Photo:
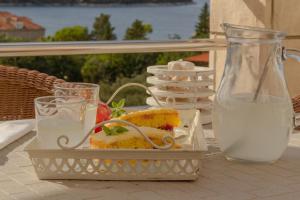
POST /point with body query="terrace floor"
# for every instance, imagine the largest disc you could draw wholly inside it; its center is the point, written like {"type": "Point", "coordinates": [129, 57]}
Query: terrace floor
{"type": "Point", "coordinates": [220, 179]}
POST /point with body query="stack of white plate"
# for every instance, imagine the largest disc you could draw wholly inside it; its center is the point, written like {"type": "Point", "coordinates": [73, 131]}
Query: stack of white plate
{"type": "Point", "coordinates": [182, 89]}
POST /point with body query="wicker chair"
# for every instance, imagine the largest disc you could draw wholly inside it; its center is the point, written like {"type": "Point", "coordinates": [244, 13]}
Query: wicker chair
{"type": "Point", "coordinates": [296, 103]}
{"type": "Point", "coordinates": [18, 88]}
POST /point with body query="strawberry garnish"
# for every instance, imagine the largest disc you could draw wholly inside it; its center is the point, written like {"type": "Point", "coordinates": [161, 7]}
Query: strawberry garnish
{"type": "Point", "coordinates": [167, 127]}
{"type": "Point", "coordinates": [103, 114]}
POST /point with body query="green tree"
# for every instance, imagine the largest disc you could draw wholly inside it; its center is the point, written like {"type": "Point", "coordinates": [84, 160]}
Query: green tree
{"type": "Point", "coordinates": [110, 67]}
{"type": "Point", "coordinates": [5, 38]}
{"type": "Point", "coordinates": [138, 31]}
{"type": "Point", "coordinates": [134, 95]}
{"type": "Point", "coordinates": [166, 57]}
{"type": "Point", "coordinates": [65, 67]}
{"type": "Point", "coordinates": [134, 64]}
{"type": "Point", "coordinates": [101, 68]}
{"type": "Point", "coordinates": [202, 27]}
{"type": "Point", "coordinates": [102, 28]}
{"type": "Point", "coordinates": [74, 33]}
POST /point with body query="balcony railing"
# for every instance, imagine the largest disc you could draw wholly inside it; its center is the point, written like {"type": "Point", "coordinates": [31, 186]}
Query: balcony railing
{"type": "Point", "coordinates": [100, 47]}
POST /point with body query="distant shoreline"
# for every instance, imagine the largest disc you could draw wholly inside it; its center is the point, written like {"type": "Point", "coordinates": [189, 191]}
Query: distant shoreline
{"type": "Point", "coordinates": [104, 3]}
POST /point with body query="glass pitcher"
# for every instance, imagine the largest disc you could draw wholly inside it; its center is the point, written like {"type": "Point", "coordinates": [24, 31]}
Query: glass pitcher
{"type": "Point", "coordinates": [252, 112]}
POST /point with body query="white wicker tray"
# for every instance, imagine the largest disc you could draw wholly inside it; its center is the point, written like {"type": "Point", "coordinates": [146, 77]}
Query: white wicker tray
{"type": "Point", "coordinates": [113, 164]}
{"type": "Point", "coordinates": [162, 163]}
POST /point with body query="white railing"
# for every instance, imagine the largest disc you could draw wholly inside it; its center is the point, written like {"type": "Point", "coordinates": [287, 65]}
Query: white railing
{"type": "Point", "coordinates": [104, 47]}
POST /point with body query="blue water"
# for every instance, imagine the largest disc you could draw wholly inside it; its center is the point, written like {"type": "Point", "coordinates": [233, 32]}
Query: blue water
{"type": "Point", "coordinates": [165, 19]}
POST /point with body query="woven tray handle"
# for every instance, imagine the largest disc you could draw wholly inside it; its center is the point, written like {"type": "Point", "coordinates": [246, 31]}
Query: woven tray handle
{"type": "Point", "coordinates": [130, 85]}
{"type": "Point", "coordinates": [168, 140]}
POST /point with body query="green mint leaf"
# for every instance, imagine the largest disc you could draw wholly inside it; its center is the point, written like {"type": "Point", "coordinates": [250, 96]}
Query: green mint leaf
{"type": "Point", "coordinates": [121, 129]}
{"type": "Point", "coordinates": [121, 103]}
{"type": "Point", "coordinates": [114, 114]}
{"type": "Point", "coordinates": [121, 112]}
{"type": "Point", "coordinates": [114, 104]}
{"type": "Point", "coordinates": [117, 130]}
{"type": "Point", "coordinates": [117, 109]}
{"type": "Point", "coordinates": [118, 113]}
{"type": "Point", "coordinates": [106, 130]}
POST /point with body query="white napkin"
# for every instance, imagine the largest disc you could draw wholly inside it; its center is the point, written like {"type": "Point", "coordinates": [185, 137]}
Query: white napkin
{"type": "Point", "coordinates": [13, 130]}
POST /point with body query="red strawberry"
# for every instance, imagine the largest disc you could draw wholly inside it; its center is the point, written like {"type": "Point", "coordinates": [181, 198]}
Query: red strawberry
{"type": "Point", "coordinates": [167, 127]}
{"type": "Point", "coordinates": [103, 114]}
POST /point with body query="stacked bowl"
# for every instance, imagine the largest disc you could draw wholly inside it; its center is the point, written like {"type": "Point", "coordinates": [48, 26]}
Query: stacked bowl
{"type": "Point", "coordinates": [183, 86]}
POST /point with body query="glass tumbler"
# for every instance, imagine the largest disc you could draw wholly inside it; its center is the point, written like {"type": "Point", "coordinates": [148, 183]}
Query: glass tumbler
{"type": "Point", "coordinates": [88, 91]}
{"type": "Point", "coordinates": [59, 115]}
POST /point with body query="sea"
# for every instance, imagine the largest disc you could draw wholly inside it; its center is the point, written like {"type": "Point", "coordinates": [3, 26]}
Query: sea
{"type": "Point", "coordinates": [166, 19]}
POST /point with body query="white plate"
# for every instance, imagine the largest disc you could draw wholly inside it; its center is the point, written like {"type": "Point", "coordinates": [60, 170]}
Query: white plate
{"type": "Point", "coordinates": [157, 81]}
{"type": "Point", "coordinates": [163, 69]}
{"type": "Point", "coordinates": [203, 104]}
{"type": "Point", "coordinates": [202, 92]}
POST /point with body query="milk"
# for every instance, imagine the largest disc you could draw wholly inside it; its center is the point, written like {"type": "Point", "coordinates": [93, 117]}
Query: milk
{"type": "Point", "coordinates": [51, 128]}
{"type": "Point", "coordinates": [90, 121]}
{"type": "Point", "coordinates": [254, 131]}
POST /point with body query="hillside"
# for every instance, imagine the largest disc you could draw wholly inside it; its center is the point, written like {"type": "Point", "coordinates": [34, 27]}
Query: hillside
{"type": "Point", "coordinates": [86, 2]}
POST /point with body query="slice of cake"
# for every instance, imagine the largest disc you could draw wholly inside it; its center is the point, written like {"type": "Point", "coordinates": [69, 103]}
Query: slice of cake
{"type": "Point", "coordinates": [161, 118]}
{"type": "Point", "coordinates": [129, 139]}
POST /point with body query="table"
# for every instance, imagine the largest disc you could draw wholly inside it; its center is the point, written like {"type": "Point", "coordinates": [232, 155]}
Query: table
{"type": "Point", "coordinates": [220, 180]}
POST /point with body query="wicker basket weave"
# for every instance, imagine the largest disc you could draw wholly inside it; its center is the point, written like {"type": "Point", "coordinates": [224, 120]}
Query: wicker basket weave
{"type": "Point", "coordinates": [18, 88]}
{"type": "Point", "coordinates": [296, 103]}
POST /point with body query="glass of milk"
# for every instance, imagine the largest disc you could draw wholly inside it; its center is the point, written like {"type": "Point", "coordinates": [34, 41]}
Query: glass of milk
{"type": "Point", "coordinates": [57, 116]}
{"type": "Point", "coordinates": [252, 110]}
{"type": "Point", "coordinates": [88, 91]}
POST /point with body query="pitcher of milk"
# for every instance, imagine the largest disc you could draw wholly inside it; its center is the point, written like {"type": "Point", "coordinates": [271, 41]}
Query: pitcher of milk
{"type": "Point", "coordinates": [253, 114]}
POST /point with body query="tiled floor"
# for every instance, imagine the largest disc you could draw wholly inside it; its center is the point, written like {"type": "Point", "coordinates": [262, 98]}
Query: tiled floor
{"type": "Point", "coordinates": [219, 180]}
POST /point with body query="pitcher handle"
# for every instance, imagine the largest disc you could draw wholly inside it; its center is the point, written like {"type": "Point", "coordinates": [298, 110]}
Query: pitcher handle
{"type": "Point", "coordinates": [292, 53]}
